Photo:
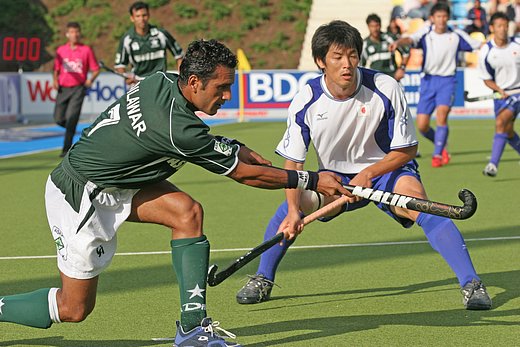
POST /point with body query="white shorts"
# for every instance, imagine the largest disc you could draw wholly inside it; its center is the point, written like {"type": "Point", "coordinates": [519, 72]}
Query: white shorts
{"type": "Point", "coordinates": [86, 252]}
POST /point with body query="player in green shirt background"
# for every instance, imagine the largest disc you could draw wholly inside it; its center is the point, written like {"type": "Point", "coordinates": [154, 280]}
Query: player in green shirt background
{"type": "Point", "coordinates": [376, 55]}
{"type": "Point", "coordinates": [118, 172]}
{"type": "Point", "coordinates": [144, 46]}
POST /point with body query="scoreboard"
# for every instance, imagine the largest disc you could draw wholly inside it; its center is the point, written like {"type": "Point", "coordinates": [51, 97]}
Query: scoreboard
{"type": "Point", "coordinates": [20, 49]}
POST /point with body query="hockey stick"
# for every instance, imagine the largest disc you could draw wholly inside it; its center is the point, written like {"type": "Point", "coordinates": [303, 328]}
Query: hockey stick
{"type": "Point", "coordinates": [495, 95]}
{"type": "Point", "coordinates": [123, 74]}
{"type": "Point", "coordinates": [427, 206]}
{"type": "Point", "coordinates": [215, 278]}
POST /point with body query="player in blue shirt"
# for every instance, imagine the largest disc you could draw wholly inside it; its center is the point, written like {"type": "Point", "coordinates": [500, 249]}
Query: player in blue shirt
{"type": "Point", "coordinates": [360, 125]}
{"type": "Point", "coordinates": [499, 60]}
{"type": "Point", "coordinates": [441, 45]}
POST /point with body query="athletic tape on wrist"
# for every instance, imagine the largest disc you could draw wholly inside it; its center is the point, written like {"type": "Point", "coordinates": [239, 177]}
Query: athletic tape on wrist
{"type": "Point", "coordinates": [312, 184]}
{"type": "Point", "coordinates": [302, 179]}
{"type": "Point", "coordinates": [292, 179]}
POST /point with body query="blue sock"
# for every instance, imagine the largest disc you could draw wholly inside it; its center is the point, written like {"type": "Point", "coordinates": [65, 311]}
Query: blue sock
{"type": "Point", "coordinates": [499, 142]}
{"type": "Point", "coordinates": [445, 238]}
{"type": "Point", "coordinates": [441, 137]}
{"type": "Point", "coordinates": [271, 258]}
{"type": "Point", "coordinates": [430, 134]}
{"type": "Point", "coordinates": [515, 142]}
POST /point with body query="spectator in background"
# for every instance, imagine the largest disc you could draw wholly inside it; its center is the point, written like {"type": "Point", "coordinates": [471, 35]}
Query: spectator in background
{"type": "Point", "coordinates": [513, 13]}
{"type": "Point", "coordinates": [478, 16]}
{"type": "Point", "coordinates": [418, 8]}
{"type": "Point", "coordinates": [71, 66]}
{"type": "Point", "coordinates": [144, 46]}
{"type": "Point", "coordinates": [376, 55]}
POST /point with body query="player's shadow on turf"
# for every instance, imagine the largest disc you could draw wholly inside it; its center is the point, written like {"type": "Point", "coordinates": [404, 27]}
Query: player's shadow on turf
{"type": "Point", "coordinates": [325, 327]}
{"type": "Point", "coordinates": [508, 281]}
{"type": "Point", "coordinates": [60, 341]}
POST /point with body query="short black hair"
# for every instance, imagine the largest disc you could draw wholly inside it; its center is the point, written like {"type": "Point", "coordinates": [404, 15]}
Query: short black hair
{"type": "Point", "coordinates": [338, 33]}
{"type": "Point", "coordinates": [138, 5]}
{"type": "Point", "coordinates": [498, 15]}
{"type": "Point", "coordinates": [440, 7]}
{"type": "Point", "coordinates": [373, 18]}
{"type": "Point", "coordinates": [74, 25]}
{"type": "Point", "coordinates": [202, 59]}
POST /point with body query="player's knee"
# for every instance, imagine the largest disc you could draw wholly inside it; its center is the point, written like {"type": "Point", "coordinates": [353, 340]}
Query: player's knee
{"type": "Point", "coordinates": [191, 216]}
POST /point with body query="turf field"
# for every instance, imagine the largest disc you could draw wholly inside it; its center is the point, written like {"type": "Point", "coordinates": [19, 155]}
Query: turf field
{"type": "Point", "coordinates": [359, 280]}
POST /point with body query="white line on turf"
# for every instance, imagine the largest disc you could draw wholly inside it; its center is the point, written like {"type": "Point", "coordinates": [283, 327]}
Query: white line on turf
{"type": "Point", "coordinates": [372, 244]}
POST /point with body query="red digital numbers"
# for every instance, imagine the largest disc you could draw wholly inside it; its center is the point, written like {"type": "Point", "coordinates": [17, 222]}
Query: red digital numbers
{"type": "Point", "coordinates": [21, 48]}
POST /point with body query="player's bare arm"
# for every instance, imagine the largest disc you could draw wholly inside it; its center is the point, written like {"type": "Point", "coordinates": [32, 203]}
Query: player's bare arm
{"type": "Point", "coordinates": [292, 225]}
{"type": "Point", "coordinates": [494, 86]}
{"type": "Point", "coordinates": [403, 41]}
{"type": "Point", "coordinates": [248, 156]}
{"type": "Point", "coordinates": [390, 162]}
{"type": "Point", "coordinates": [274, 178]}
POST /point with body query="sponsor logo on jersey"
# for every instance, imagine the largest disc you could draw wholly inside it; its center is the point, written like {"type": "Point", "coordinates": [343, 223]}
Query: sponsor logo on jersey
{"type": "Point", "coordinates": [321, 116]}
{"type": "Point", "coordinates": [223, 148]}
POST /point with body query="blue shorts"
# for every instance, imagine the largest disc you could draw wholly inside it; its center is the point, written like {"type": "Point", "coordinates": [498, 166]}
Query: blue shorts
{"type": "Point", "coordinates": [435, 91]}
{"type": "Point", "coordinates": [511, 103]}
{"type": "Point", "coordinates": [386, 183]}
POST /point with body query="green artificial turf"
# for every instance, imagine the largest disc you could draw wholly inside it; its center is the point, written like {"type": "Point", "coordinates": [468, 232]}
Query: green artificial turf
{"type": "Point", "coordinates": [357, 289]}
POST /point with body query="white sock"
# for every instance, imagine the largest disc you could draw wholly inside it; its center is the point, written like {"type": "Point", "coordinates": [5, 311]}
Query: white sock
{"type": "Point", "coordinates": [53, 305]}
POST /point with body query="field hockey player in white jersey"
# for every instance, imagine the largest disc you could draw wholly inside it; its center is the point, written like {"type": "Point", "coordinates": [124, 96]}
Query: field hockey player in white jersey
{"type": "Point", "coordinates": [499, 65]}
{"type": "Point", "coordinates": [361, 128]}
{"type": "Point", "coordinates": [441, 45]}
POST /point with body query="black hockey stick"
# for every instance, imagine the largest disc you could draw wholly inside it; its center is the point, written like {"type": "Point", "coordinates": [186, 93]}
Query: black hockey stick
{"type": "Point", "coordinates": [427, 206]}
{"type": "Point", "coordinates": [215, 278]}
{"type": "Point", "coordinates": [393, 199]}
{"type": "Point", "coordinates": [495, 95]}
{"type": "Point", "coordinates": [123, 74]}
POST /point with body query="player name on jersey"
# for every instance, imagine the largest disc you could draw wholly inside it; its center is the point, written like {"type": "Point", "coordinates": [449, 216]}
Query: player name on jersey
{"type": "Point", "coordinates": [133, 109]}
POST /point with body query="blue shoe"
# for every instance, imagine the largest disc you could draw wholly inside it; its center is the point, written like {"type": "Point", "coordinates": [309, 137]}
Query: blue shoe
{"type": "Point", "coordinates": [203, 336]}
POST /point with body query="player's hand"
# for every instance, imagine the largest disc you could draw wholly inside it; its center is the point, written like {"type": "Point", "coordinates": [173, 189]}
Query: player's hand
{"type": "Point", "coordinates": [362, 180]}
{"type": "Point", "coordinates": [55, 85]}
{"type": "Point", "coordinates": [393, 46]}
{"type": "Point", "coordinates": [399, 74]}
{"type": "Point", "coordinates": [88, 84]}
{"type": "Point", "coordinates": [291, 226]}
{"type": "Point", "coordinates": [330, 184]}
{"type": "Point", "coordinates": [248, 156]}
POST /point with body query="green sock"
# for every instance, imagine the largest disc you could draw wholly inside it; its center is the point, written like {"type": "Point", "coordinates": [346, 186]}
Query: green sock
{"type": "Point", "coordinates": [31, 309]}
{"type": "Point", "coordinates": [190, 259]}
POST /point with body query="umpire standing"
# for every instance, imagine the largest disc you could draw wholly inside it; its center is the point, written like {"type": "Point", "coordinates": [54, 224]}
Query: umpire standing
{"type": "Point", "coordinates": [71, 66]}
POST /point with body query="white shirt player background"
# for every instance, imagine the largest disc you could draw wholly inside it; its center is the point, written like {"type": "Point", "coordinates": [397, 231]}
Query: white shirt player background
{"type": "Point", "coordinates": [351, 134]}
{"type": "Point", "coordinates": [440, 50]}
{"type": "Point", "coordinates": [501, 64]}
